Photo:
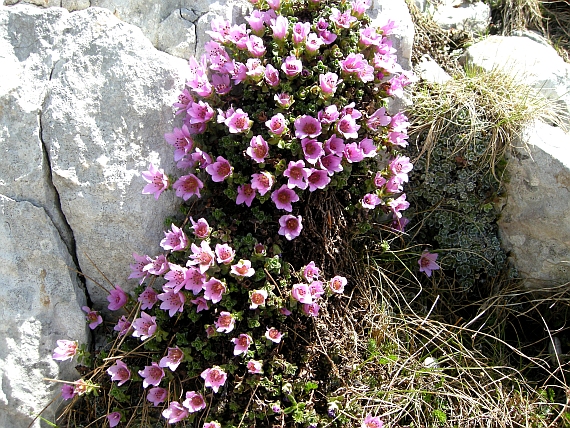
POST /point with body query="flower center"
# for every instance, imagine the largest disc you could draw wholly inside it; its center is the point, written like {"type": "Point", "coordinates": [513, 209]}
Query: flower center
{"type": "Point", "coordinates": [292, 224]}
{"type": "Point", "coordinates": [224, 168]}
{"type": "Point", "coordinates": [257, 298]}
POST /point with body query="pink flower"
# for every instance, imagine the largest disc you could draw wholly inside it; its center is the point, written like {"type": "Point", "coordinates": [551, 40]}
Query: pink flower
{"type": "Point", "coordinates": [291, 226]}
{"type": "Point", "coordinates": [173, 359]}
{"type": "Point", "coordinates": [284, 197]}
{"type": "Point", "coordinates": [137, 269]}
{"type": "Point", "coordinates": [379, 181]}
{"type": "Point", "coordinates": [238, 122]}
{"type": "Point", "coordinates": [427, 263]}
{"type": "Point", "coordinates": [148, 298]}
{"type": "Point", "coordinates": [297, 174]}
{"type": "Point", "coordinates": [214, 424]}
{"type": "Point", "coordinates": [327, 37]}
{"type": "Point", "coordinates": [334, 145]}
{"type": "Point", "coordinates": [262, 182]}
{"type": "Point", "coordinates": [342, 20]}
{"type": "Point", "coordinates": [175, 239]}
{"type": "Point", "coordinates": [301, 293]}
{"type": "Point", "coordinates": [66, 350]}
{"type": "Point", "coordinates": [255, 70]}
{"type": "Point", "coordinates": [175, 412]}
{"type": "Point", "coordinates": [157, 395]}
{"type": "Point", "coordinates": [214, 377]}
{"type": "Point", "coordinates": [255, 21]}
{"type": "Point", "coordinates": [400, 166]}
{"type": "Point", "coordinates": [370, 201]}
{"type": "Point", "coordinates": [188, 186]}
{"type": "Point", "coordinates": [255, 46]}
{"type": "Point", "coordinates": [67, 391]}
{"type": "Point", "coordinates": [201, 228]}
{"type": "Point", "coordinates": [119, 371]}
{"type": "Point", "coordinates": [258, 149]}
{"type": "Point", "coordinates": [347, 127]}
{"type": "Point", "coordinates": [258, 298]}
{"type": "Point", "coordinates": [157, 266]}
{"type": "Point", "coordinates": [316, 289]}
{"type": "Point", "coordinates": [379, 118]}
{"type": "Point", "coordinates": [176, 277]}
{"type": "Point", "coordinates": [311, 309]}
{"type": "Point", "coordinates": [399, 224]}
{"type": "Point", "coordinates": [353, 153]}
{"type": "Point", "coordinates": [311, 272]}
{"type": "Point", "coordinates": [328, 82]}
{"type": "Point", "coordinates": [224, 253]}
{"type": "Point", "coordinates": [173, 301]}
{"type": "Point", "coordinates": [273, 334]}
{"type": "Point", "coordinates": [181, 140]}
{"type": "Point", "coordinates": [292, 66]}
{"type": "Point", "coordinates": [283, 100]}
{"type": "Point", "coordinates": [220, 29]}
{"type": "Point", "coordinates": [184, 99]}
{"type": "Point", "coordinates": [318, 179]}
{"type": "Point", "coordinates": [359, 7]}
{"type": "Point", "coordinates": [372, 422]}
{"type": "Point", "coordinates": [243, 268]}
{"type": "Point", "coordinates": [145, 326]}
{"type": "Point", "coordinates": [245, 194]}
{"type": "Point", "coordinates": [221, 83]}
{"type": "Point", "coordinates": [312, 150]}
{"type": "Point", "coordinates": [152, 375]}
{"type": "Point", "coordinates": [329, 115]}
{"type": "Point", "coordinates": [280, 27]}
{"type": "Point", "coordinates": [332, 163]}
{"type": "Point", "coordinates": [368, 148]}
{"type": "Point", "coordinates": [241, 343]}
{"type": "Point", "coordinates": [274, 4]}
{"type": "Point", "coordinates": [202, 304]}
{"type": "Point", "coordinates": [194, 402]}
{"type": "Point", "coordinates": [202, 158]}
{"type": "Point", "coordinates": [351, 111]}
{"type": "Point", "coordinates": [122, 326]}
{"type": "Point", "coordinates": [277, 124]}
{"type": "Point", "coordinates": [271, 75]}
{"type": "Point", "coordinates": [114, 419]}
{"type": "Point", "coordinates": [313, 43]}
{"type": "Point", "coordinates": [399, 122]}
{"type": "Point", "coordinates": [157, 181]}
{"type": "Point", "coordinates": [337, 284]}
{"type": "Point", "coordinates": [254, 367]}
{"type": "Point", "coordinates": [300, 31]}
{"type": "Point", "coordinates": [219, 170]}
{"type": "Point", "coordinates": [214, 290]}
{"type": "Point", "coordinates": [399, 204]}
{"type": "Point", "coordinates": [200, 112]}
{"type": "Point", "coordinates": [225, 322]}
{"type": "Point", "coordinates": [92, 317]}
{"type": "Point", "coordinates": [307, 126]}
{"type": "Point", "coordinates": [202, 256]}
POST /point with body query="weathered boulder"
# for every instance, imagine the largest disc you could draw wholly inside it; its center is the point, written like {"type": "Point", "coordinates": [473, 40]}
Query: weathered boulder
{"type": "Point", "coordinates": [534, 224]}
{"type": "Point", "coordinates": [40, 303]}
{"type": "Point", "coordinates": [527, 61]}
{"type": "Point", "coordinates": [471, 16]}
{"type": "Point", "coordinates": [84, 103]}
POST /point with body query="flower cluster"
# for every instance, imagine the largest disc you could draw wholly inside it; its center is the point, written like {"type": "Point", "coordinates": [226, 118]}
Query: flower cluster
{"type": "Point", "coordinates": [296, 131]}
{"type": "Point", "coordinates": [289, 104]}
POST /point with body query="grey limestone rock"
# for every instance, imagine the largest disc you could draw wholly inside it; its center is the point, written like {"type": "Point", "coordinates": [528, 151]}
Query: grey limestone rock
{"type": "Point", "coordinates": [534, 224]}
{"type": "Point", "coordinates": [40, 303]}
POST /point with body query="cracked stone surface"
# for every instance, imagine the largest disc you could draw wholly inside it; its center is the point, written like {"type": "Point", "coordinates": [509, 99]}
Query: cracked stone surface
{"type": "Point", "coordinates": [85, 100]}
{"type": "Point", "coordinates": [40, 303]}
{"type": "Point", "coordinates": [534, 223]}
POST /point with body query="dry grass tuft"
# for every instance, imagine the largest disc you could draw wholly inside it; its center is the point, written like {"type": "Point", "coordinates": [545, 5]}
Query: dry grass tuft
{"type": "Point", "coordinates": [475, 105]}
